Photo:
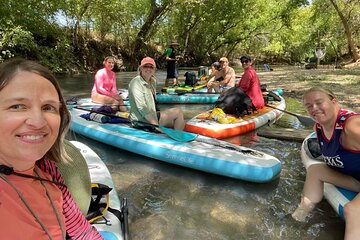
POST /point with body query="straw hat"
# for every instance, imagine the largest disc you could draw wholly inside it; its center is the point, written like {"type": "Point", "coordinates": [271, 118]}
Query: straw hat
{"type": "Point", "coordinates": [77, 177]}
{"type": "Point", "coordinates": [174, 43]}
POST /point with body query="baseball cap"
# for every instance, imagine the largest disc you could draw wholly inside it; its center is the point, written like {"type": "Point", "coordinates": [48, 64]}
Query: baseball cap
{"type": "Point", "coordinates": [245, 57]}
{"type": "Point", "coordinates": [223, 59]}
{"type": "Point", "coordinates": [147, 60]}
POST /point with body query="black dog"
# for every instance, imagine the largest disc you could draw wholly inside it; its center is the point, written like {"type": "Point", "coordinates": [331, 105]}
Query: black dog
{"type": "Point", "coordinates": [234, 101]}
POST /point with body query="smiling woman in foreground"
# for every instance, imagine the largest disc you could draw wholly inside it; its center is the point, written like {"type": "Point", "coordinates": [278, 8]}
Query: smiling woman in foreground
{"type": "Point", "coordinates": [338, 134]}
{"type": "Point", "coordinates": [33, 123]}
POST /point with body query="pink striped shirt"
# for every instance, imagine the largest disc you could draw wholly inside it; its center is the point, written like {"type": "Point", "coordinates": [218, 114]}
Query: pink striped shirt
{"type": "Point", "coordinates": [77, 227]}
{"type": "Point", "coordinates": [17, 222]}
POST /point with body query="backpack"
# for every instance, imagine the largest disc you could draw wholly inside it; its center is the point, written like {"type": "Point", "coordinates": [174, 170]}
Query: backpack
{"type": "Point", "coordinates": [234, 101]}
{"type": "Point", "coordinates": [190, 79]}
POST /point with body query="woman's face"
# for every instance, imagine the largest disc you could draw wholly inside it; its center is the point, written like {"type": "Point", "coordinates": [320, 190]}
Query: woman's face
{"type": "Point", "coordinates": [29, 119]}
{"type": "Point", "coordinates": [109, 64]}
{"type": "Point", "coordinates": [147, 71]}
{"type": "Point", "coordinates": [320, 107]}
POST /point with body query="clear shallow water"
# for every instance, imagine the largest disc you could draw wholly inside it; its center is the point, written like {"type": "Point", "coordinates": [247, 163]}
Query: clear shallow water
{"type": "Point", "coordinates": [171, 202]}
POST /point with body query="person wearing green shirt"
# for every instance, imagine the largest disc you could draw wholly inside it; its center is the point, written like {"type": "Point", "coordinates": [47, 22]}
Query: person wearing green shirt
{"type": "Point", "coordinates": [172, 72]}
{"type": "Point", "coordinates": [142, 98]}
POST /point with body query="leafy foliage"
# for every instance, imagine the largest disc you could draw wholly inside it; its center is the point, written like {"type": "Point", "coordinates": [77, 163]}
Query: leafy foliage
{"type": "Point", "coordinates": [74, 35]}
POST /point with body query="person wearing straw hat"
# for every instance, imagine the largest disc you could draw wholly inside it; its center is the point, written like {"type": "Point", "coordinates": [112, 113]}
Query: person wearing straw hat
{"type": "Point", "coordinates": [142, 98]}
{"type": "Point", "coordinates": [172, 74]}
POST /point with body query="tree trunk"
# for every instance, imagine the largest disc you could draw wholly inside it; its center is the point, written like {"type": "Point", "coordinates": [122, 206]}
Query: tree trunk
{"type": "Point", "coordinates": [348, 33]}
{"type": "Point", "coordinates": [138, 49]}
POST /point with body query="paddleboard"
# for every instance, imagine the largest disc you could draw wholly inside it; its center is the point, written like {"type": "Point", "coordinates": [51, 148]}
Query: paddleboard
{"type": "Point", "coordinates": [110, 226]}
{"type": "Point", "coordinates": [204, 154]}
{"type": "Point", "coordinates": [206, 125]}
{"type": "Point", "coordinates": [178, 89]}
{"type": "Point", "coordinates": [186, 98]}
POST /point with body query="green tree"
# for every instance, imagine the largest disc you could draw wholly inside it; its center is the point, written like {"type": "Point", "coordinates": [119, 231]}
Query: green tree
{"type": "Point", "coordinates": [347, 11]}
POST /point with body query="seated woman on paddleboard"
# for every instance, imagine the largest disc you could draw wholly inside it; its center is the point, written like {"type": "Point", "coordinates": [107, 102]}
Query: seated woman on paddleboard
{"type": "Point", "coordinates": [34, 201]}
{"type": "Point", "coordinates": [338, 134]}
{"type": "Point", "coordinates": [105, 89]}
{"type": "Point", "coordinates": [142, 98]}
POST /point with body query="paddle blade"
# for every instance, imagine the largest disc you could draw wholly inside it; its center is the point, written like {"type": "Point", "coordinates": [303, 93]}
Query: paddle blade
{"type": "Point", "coordinates": [306, 121]}
{"type": "Point", "coordinates": [178, 135]}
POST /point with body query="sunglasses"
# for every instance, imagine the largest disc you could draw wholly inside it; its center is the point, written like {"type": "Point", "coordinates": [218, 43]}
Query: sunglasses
{"type": "Point", "coordinates": [244, 61]}
{"type": "Point", "coordinates": [149, 66]}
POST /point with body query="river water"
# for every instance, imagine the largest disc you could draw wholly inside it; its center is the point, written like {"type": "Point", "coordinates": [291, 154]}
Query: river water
{"type": "Point", "coordinates": [174, 203]}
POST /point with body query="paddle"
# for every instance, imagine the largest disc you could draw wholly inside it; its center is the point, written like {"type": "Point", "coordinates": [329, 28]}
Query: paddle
{"type": "Point", "coordinates": [124, 220]}
{"type": "Point", "coordinates": [177, 135]}
{"type": "Point", "coordinates": [185, 92]}
{"type": "Point", "coordinates": [306, 121]}
{"type": "Point", "coordinates": [95, 105]}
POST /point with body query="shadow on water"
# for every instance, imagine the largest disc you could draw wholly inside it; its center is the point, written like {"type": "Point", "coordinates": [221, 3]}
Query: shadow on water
{"type": "Point", "coordinates": [172, 202]}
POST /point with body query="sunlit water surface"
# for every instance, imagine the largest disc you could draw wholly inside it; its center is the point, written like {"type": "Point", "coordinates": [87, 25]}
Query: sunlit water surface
{"type": "Point", "coordinates": [172, 202]}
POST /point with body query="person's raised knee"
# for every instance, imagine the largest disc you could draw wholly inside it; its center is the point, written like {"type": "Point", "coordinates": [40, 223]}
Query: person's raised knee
{"type": "Point", "coordinates": [351, 210]}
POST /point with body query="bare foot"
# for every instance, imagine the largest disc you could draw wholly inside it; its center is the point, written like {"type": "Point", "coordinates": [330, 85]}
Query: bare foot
{"type": "Point", "coordinates": [304, 209]}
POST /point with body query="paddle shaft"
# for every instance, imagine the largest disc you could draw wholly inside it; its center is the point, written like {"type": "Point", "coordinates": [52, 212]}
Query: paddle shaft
{"type": "Point", "coordinates": [99, 105]}
{"type": "Point", "coordinates": [304, 120]}
{"type": "Point", "coordinates": [187, 92]}
{"type": "Point", "coordinates": [124, 222]}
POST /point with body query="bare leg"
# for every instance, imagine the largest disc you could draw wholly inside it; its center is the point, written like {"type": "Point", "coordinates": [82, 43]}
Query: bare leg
{"type": "Point", "coordinates": [172, 80]}
{"type": "Point", "coordinates": [173, 118]}
{"type": "Point", "coordinates": [122, 108]}
{"type": "Point", "coordinates": [352, 215]}
{"type": "Point", "coordinates": [177, 82]}
{"type": "Point", "coordinates": [313, 191]}
{"type": "Point", "coordinates": [166, 82]}
{"type": "Point", "coordinates": [116, 103]}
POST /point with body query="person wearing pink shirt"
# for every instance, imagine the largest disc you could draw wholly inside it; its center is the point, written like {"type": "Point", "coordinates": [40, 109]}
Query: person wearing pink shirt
{"type": "Point", "coordinates": [105, 89]}
{"type": "Point", "coordinates": [250, 83]}
{"type": "Point", "coordinates": [34, 201]}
